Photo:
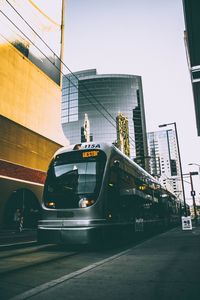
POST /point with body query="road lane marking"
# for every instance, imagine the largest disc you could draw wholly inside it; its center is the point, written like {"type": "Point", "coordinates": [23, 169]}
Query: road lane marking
{"type": "Point", "coordinates": [48, 285]}
{"type": "Point", "coordinates": [39, 289]}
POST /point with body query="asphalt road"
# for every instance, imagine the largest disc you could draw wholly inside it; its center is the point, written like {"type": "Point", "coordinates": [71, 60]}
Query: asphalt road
{"type": "Point", "coordinates": [165, 267]}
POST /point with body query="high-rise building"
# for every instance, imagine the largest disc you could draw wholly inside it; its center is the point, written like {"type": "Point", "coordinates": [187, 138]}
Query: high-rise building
{"type": "Point", "coordinates": [123, 134]}
{"type": "Point", "coordinates": [102, 97]}
{"type": "Point", "coordinates": [164, 162]}
{"type": "Point", "coordinates": [141, 156]}
{"type": "Point", "coordinates": [85, 130]}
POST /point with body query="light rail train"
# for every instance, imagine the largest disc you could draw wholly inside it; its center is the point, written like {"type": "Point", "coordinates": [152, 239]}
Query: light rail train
{"type": "Point", "coordinates": [94, 192]}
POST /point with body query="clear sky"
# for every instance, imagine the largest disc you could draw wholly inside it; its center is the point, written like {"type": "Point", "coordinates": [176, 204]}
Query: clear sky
{"type": "Point", "coordinates": [143, 38]}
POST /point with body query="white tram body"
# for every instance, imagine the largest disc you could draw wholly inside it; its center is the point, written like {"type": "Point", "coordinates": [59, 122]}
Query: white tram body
{"type": "Point", "coordinates": [94, 192]}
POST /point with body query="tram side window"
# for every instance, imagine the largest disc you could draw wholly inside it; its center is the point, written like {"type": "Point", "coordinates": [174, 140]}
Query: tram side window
{"type": "Point", "coordinates": [127, 185]}
{"type": "Point", "coordinates": [163, 208]}
{"type": "Point", "coordinates": [156, 209]}
{"type": "Point", "coordinates": [147, 210]}
{"type": "Point", "coordinates": [126, 181]}
{"type": "Point", "coordinates": [121, 182]}
{"type": "Point", "coordinates": [113, 191]}
{"type": "Point", "coordinates": [174, 209]}
{"type": "Point", "coordinates": [170, 207]}
{"type": "Point", "coordinates": [113, 177]}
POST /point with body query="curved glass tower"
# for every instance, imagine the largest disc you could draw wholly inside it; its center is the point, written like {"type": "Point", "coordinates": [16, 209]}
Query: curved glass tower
{"type": "Point", "coordinates": [102, 97]}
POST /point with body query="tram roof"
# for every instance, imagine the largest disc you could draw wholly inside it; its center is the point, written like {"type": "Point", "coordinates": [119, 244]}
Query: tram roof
{"type": "Point", "coordinates": [87, 145]}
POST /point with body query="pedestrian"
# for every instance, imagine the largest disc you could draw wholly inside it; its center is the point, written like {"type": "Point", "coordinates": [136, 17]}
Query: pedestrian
{"type": "Point", "coordinates": [16, 217]}
{"type": "Point", "coordinates": [21, 223]}
{"type": "Point", "coordinates": [18, 220]}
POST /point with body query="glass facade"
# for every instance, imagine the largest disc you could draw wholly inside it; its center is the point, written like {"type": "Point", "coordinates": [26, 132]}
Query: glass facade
{"type": "Point", "coordinates": [102, 97]}
{"type": "Point", "coordinates": [164, 163]}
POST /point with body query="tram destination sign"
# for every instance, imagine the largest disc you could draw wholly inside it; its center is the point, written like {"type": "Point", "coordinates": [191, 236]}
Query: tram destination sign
{"type": "Point", "coordinates": [92, 153]}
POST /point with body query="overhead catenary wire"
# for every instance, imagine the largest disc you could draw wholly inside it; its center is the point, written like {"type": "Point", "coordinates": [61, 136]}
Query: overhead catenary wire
{"type": "Point", "coordinates": [66, 76]}
{"type": "Point", "coordinates": [74, 75]}
{"type": "Point", "coordinates": [56, 57]}
{"type": "Point", "coordinates": [57, 68]}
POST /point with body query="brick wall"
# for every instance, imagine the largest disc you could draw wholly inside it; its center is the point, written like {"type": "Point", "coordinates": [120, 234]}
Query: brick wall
{"type": "Point", "coordinates": [20, 172]}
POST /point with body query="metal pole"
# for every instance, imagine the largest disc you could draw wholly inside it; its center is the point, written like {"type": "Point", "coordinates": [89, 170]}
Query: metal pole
{"type": "Point", "coordinates": [62, 38]}
{"type": "Point", "coordinates": [180, 164]}
{"type": "Point", "coordinates": [193, 198]}
{"type": "Point", "coordinates": [199, 171]}
{"type": "Point", "coordinates": [194, 164]}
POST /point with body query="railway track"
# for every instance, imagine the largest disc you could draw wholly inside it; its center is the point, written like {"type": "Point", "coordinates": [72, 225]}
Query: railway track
{"type": "Point", "coordinates": [26, 268]}
{"type": "Point", "coordinates": [16, 260]}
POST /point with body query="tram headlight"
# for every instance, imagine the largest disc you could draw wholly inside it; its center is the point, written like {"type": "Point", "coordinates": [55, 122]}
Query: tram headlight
{"type": "Point", "coordinates": [50, 204]}
{"type": "Point", "coordinates": [84, 202]}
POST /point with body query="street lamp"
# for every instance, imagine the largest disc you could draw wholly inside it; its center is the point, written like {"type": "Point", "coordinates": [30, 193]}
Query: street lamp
{"type": "Point", "coordinates": [180, 165]}
{"type": "Point", "coordinates": [194, 164]}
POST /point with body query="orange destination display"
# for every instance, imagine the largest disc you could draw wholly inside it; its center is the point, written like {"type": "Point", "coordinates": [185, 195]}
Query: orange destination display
{"type": "Point", "coordinates": [92, 153]}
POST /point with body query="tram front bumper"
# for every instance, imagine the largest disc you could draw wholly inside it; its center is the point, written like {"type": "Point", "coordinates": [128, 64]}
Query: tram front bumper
{"type": "Point", "coordinates": [70, 235]}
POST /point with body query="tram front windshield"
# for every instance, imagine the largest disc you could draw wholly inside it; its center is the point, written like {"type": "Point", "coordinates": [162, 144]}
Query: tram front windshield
{"type": "Point", "coordinates": [74, 179]}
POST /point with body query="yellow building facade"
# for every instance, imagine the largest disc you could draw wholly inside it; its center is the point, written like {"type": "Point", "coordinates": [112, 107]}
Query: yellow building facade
{"type": "Point", "coordinates": [28, 96]}
{"type": "Point", "coordinates": [30, 129]}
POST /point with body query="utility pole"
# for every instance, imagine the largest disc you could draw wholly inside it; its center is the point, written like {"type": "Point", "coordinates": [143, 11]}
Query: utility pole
{"type": "Point", "coordinates": [193, 196]}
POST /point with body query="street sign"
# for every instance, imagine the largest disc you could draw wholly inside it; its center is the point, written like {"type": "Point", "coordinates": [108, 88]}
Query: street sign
{"type": "Point", "coordinates": [186, 223]}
